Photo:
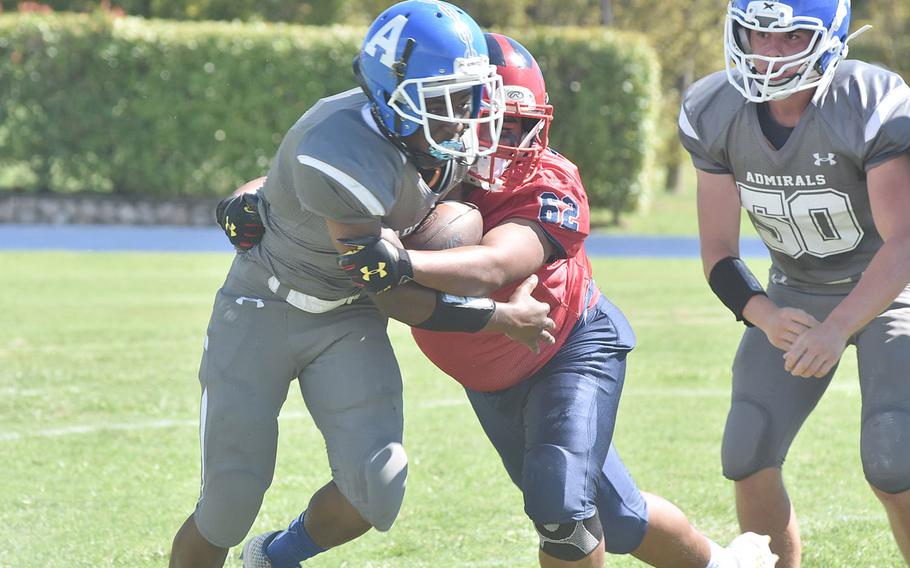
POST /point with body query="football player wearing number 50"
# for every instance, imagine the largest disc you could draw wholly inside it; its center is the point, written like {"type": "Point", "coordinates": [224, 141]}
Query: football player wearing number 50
{"type": "Point", "coordinates": [815, 148]}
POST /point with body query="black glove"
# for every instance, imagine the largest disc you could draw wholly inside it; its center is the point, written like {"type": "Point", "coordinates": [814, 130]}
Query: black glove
{"type": "Point", "coordinates": [375, 264]}
{"type": "Point", "coordinates": [238, 217]}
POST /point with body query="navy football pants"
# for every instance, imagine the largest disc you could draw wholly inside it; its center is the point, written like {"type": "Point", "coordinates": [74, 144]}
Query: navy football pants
{"type": "Point", "coordinates": [554, 431]}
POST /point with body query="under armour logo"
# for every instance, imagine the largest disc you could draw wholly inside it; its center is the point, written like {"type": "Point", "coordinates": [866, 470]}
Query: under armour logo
{"type": "Point", "coordinates": [769, 5]}
{"type": "Point", "coordinates": [379, 271]}
{"type": "Point", "coordinates": [830, 160]}
{"type": "Point", "coordinates": [258, 301]}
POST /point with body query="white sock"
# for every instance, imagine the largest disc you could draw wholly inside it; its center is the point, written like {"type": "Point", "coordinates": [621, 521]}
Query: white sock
{"type": "Point", "coordinates": [718, 555]}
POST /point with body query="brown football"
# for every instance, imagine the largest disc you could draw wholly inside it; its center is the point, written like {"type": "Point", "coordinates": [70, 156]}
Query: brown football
{"type": "Point", "coordinates": [450, 224]}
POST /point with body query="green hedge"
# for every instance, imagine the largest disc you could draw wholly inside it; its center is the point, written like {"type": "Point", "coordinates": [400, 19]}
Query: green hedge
{"type": "Point", "coordinates": [132, 106]}
{"type": "Point", "coordinates": [487, 13]}
{"type": "Point", "coordinates": [605, 90]}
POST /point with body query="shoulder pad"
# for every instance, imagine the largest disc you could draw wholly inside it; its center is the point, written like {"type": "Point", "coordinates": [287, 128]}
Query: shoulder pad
{"type": "Point", "coordinates": [872, 93]}
{"type": "Point", "coordinates": [344, 148]}
{"type": "Point", "coordinates": [711, 97]}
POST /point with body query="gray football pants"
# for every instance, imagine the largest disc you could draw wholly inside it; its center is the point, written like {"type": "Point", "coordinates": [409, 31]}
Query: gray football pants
{"type": "Point", "coordinates": [256, 344]}
{"type": "Point", "coordinates": [769, 405]}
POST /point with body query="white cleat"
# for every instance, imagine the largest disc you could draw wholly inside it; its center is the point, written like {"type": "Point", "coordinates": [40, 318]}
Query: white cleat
{"type": "Point", "coordinates": [749, 550]}
{"type": "Point", "coordinates": [253, 554]}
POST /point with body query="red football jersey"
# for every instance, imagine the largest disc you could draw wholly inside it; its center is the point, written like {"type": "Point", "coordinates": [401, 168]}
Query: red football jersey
{"type": "Point", "coordinates": [555, 198]}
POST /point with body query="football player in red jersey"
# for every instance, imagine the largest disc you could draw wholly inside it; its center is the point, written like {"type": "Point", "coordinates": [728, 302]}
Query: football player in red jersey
{"type": "Point", "coordinates": [551, 414]}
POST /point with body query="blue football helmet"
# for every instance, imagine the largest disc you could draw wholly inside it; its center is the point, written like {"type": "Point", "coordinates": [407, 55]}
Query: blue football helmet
{"type": "Point", "coordinates": [424, 49]}
{"type": "Point", "coordinates": [827, 20]}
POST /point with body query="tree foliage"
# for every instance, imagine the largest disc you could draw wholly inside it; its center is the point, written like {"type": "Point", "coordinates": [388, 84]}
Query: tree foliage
{"type": "Point", "coordinates": [688, 39]}
{"type": "Point", "coordinates": [133, 106]}
{"type": "Point", "coordinates": [888, 42]}
{"type": "Point", "coordinates": [687, 36]}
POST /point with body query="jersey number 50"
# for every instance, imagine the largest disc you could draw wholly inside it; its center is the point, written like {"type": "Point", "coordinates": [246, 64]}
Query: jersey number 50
{"type": "Point", "coordinates": [818, 221]}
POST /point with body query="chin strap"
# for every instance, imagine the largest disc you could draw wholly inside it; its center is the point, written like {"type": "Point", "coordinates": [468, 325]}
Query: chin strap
{"type": "Point", "coordinates": [845, 49]}
{"type": "Point", "coordinates": [853, 36]}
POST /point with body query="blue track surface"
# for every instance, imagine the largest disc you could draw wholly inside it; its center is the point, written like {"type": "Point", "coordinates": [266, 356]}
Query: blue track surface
{"type": "Point", "coordinates": [204, 239]}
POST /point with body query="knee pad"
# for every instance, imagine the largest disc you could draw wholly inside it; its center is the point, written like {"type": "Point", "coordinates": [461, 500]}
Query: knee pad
{"type": "Point", "coordinates": [228, 507]}
{"type": "Point", "coordinates": [570, 541]}
{"type": "Point", "coordinates": [549, 492]}
{"type": "Point", "coordinates": [886, 460]}
{"type": "Point", "coordinates": [385, 473]}
{"type": "Point", "coordinates": [746, 447]}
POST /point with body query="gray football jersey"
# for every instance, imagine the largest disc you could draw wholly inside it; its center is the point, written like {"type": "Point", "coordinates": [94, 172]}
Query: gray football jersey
{"type": "Point", "coordinates": [334, 163]}
{"type": "Point", "coordinates": [808, 200]}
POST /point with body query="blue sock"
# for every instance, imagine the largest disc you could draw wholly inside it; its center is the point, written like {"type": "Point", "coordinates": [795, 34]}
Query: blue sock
{"type": "Point", "coordinates": [292, 545]}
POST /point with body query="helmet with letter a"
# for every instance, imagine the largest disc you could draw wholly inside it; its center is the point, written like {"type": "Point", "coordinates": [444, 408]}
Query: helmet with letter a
{"type": "Point", "coordinates": [528, 114]}
{"type": "Point", "coordinates": [428, 51]}
{"type": "Point", "coordinates": [764, 77]}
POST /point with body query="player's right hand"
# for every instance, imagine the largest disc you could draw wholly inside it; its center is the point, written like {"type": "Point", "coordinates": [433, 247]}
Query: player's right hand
{"type": "Point", "coordinates": [785, 326]}
{"type": "Point", "coordinates": [524, 319]}
{"type": "Point", "coordinates": [238, 216]}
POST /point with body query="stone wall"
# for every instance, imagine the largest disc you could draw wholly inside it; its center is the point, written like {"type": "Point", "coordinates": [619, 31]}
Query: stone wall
{"type": "Point", "coordinates": [96, 209]}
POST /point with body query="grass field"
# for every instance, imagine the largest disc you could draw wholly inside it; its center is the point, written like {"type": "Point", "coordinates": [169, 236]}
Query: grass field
{"type": "Point", "coordinates": [663, 214]}
{"type": "Point", "coordinates": [98, 431]}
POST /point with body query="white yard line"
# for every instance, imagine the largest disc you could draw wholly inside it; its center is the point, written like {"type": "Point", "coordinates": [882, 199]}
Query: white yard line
{"type": "Point", "coordinates": [114, 426]}
{"type": "Point", "coordinates": [97, 427]}
{"type": "Point", "coordinates": [160, 424]}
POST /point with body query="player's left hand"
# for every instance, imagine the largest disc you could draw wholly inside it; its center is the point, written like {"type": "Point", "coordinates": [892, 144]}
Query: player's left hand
{"type": "Point", "coordinates": [238, 216]}
{"type": "Point", "coordinates": [815, 351]}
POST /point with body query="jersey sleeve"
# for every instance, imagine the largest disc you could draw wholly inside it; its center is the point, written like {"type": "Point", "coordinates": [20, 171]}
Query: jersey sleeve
{"type": "Point", "coordinates": [887, 131]}
{"type": "Point", "coordinates": [332, 194]}
{"type": "Point", "coordinates": [695, 144]}
{"type": "Point", "coordinates": [561, 210]}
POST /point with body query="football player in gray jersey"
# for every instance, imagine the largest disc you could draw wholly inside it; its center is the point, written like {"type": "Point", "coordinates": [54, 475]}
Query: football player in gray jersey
{"type": "Point", "coordinates": [815, 148]}
{"type": "Point", "coordinates": [364, 161]}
